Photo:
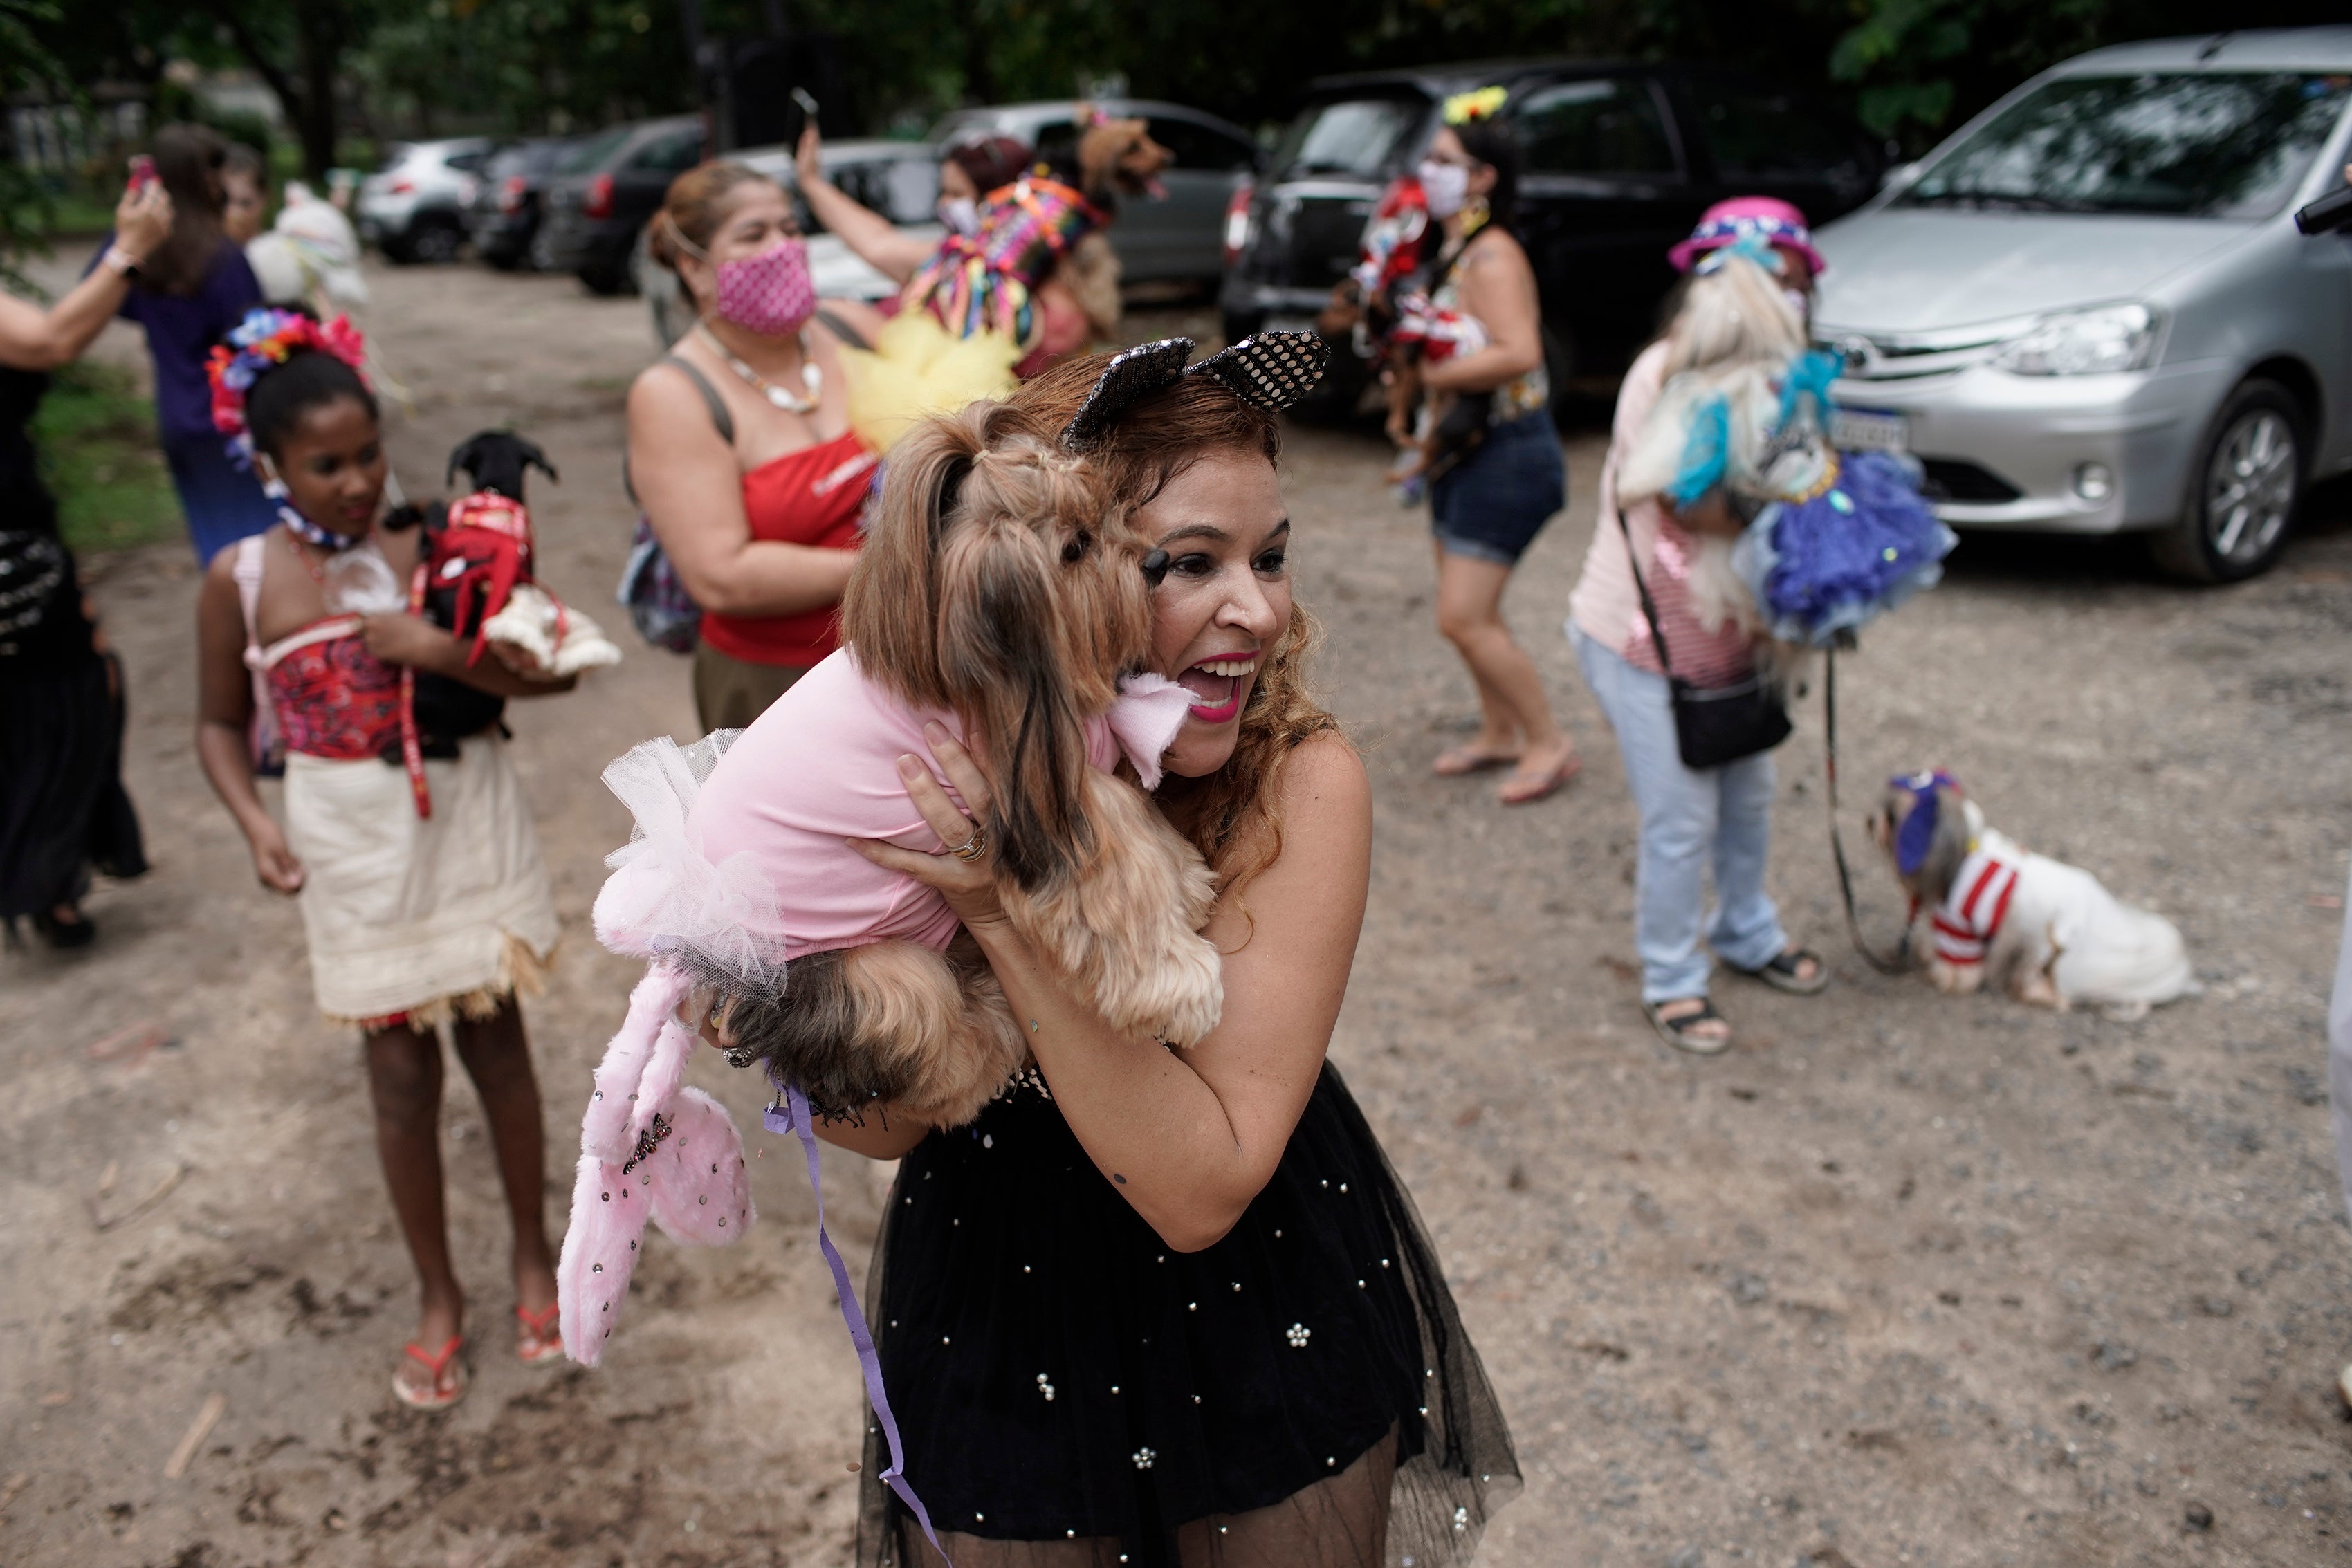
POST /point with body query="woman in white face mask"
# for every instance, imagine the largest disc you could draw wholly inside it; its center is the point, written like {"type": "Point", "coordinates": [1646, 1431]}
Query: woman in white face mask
{"type": "Point", "coordinates": [969, 170]}
{"type": "Point", "coordinates": [1488, 508]}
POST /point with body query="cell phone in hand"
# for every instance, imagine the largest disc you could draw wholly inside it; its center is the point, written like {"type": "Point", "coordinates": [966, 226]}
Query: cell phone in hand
{"type": "Point", "coordinates": [808, 104]}
{"type": "Point", "coordinates": [142, 173]}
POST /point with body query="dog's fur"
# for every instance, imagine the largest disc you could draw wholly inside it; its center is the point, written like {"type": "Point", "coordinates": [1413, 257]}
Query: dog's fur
{"type": "Point", "coordinates": [2066, 940]}
{"type": "Point", "coordinates": [1001, 583]}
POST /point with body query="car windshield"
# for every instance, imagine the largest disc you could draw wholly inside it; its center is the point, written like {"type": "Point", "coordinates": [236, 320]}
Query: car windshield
{"type": "Point", "coordinates": [1360, 136]}
{"type": "Point", "coordinates": [2191, 144]}
{"type": "Point", "coordinates": [596, 150]}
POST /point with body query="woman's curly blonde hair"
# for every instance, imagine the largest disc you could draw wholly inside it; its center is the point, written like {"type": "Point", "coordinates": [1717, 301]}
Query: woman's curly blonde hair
{"type": "Point", "coordinates": [1229, 815]}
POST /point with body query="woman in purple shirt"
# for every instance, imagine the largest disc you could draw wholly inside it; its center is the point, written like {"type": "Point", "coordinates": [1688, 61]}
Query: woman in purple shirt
{"type": "Point", "coordinates": [190, 293]}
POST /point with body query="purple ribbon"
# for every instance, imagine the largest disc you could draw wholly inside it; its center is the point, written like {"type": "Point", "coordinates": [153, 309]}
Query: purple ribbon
{"type": "Point", "coordinates": [793, 1116]}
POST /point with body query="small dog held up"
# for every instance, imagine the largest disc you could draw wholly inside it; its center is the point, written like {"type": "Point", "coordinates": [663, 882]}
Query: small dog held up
{"type": "Point", "coordinates": [2049, 933]}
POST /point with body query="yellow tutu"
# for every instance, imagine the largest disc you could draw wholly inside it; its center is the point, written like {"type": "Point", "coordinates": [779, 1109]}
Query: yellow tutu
{"type": "Point", "coordinates": [916, 369]}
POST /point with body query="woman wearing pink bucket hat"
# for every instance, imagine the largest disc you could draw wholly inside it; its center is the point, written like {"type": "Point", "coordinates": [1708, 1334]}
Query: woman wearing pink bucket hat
{"type": "Point", "coordinates": [1693, 820]}
{"type": "Point", "coordinates": [1766, 218]}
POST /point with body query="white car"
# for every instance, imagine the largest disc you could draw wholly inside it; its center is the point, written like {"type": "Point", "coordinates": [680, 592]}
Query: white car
{"type": "Point", "coordinates": [900, 180]}
{"type": "Point", "coordinates": [414, 208]}
{"type": "Point", "coordinates": [2089, 310]}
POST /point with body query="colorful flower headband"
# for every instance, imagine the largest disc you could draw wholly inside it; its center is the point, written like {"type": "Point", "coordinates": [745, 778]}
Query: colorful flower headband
{"type": "Point", "coordinates": [1469, 108]}
{"type": "Point", "coordinates": [265, 340]}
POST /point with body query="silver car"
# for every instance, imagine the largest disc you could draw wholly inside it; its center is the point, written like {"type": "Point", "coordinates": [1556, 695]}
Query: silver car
{"type": "Point", "coordinates": [2089, 309]}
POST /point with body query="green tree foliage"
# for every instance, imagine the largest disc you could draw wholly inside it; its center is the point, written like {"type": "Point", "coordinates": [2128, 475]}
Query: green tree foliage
{"type": "Point", "coordinates": [27, 71]}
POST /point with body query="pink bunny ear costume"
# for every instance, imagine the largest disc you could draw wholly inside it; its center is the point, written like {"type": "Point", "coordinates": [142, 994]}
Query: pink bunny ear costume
{"type": "Point", "coordinates": [649, 1150]}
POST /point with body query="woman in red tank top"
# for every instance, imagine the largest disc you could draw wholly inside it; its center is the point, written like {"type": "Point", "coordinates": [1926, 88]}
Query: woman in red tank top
{"type": "Point", "coordinates": [740, 443]}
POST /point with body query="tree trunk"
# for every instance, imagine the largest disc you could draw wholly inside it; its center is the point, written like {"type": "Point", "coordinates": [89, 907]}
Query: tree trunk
{"type": "Point", "coordinates": [307, 94]}
{"type": "Point", "coordinates": [321, 32]}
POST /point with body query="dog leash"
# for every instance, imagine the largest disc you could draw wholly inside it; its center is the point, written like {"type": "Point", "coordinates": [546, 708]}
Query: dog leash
{"type": "Point", "coordinates": [789, 1112]}
{"type": "Point", "coordinates": [1902, 959]}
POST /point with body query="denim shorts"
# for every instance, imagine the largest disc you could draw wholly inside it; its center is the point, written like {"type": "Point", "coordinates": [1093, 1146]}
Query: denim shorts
{"type": "Point", "coordinates": [1492, 505]}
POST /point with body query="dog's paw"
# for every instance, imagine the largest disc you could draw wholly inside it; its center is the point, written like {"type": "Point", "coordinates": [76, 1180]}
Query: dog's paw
{"type": "Point", "coordinates": [1955, 979]}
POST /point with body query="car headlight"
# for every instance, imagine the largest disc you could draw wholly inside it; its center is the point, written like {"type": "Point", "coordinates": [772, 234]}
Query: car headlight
{"type": "Point", "coordinates": [2096, 341]}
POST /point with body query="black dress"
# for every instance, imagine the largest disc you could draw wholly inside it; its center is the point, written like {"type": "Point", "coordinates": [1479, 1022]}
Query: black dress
{"type": "Point", "coordinates": [62, 805]}
{"type": "Point", "coordinates": [1071, 1392]}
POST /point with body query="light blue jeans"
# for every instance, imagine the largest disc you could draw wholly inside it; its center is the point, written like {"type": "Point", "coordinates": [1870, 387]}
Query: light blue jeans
{"type": "Point", "coordinates": [1688, 818]}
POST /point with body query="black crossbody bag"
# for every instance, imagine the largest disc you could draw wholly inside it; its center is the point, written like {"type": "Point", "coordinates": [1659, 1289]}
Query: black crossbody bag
{"type": "Point", "coordinates": [1713, 725]}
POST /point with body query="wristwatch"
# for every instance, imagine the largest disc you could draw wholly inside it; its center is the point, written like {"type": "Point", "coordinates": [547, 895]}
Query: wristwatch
{"type": "Point", "coordinates": [125, 264]}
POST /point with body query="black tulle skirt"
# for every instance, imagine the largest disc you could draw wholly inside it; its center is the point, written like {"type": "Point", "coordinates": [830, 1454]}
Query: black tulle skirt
{"type": "Point", "coordinates": [63, 809]}
{"type": "Point", "coordinates": [1071, 1392]}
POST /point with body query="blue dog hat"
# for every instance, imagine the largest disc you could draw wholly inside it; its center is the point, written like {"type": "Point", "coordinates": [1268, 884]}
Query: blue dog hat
{"type": "Point", "coordinates": [1919, 829]}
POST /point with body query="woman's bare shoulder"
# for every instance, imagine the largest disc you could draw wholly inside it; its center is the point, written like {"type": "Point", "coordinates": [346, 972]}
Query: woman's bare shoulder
{"type": "Point", "coordinates": [1326, 776]}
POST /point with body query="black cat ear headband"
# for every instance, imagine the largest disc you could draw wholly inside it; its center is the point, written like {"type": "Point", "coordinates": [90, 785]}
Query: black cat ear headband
{"type": "Point", "coordinates": [1268, 370]}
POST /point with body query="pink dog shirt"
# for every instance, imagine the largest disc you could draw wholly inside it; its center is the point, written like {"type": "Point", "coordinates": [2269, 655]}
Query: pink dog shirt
{"type": "Point", "coordinates": [758, 870]}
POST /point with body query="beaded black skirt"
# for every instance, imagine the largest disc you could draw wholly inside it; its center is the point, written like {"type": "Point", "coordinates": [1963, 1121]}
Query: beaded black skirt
{"type": "Point", "coordinates": [1073, 1394]}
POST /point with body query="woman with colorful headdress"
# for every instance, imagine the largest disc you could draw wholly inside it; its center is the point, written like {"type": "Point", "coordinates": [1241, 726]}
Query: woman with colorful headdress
{"type": "Point", "coordinates": [411, 919]}
{"type": "Point", "coordinates": [1031, 265]}
{"type": "Point", "coordinates": [1506, 477]}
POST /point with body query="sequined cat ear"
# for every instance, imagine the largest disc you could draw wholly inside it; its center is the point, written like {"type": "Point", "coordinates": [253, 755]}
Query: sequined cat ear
{"type": "Point", "coordinates": [1133, 374]}
{"type": "Point", "coordinates": [1271, 369]}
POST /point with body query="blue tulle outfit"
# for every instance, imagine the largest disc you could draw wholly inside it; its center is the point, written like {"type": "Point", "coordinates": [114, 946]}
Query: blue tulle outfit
{"type": "Point", "coordinates": [1842, 556]}
{"type": "Point", "coordinates": [1839, 561]}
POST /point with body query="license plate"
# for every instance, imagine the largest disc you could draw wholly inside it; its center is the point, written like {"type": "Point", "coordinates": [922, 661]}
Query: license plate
{"type": "Point", "coordinates": [1869, 430]}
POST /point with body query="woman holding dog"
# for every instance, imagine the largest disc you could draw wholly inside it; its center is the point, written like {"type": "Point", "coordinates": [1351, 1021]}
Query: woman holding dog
{"type": "Point", "coordinates": [1170, 1304]}
{"type": "Point", "coordinates": [1691, 819]}
{"type": "Point", "coordinates": [740, 448]}
{"type": "Point", "coordinates": [1488, 508]}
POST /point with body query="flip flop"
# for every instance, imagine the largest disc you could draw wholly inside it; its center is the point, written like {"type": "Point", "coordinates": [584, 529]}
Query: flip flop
{"type": "Point", "coordinates": [537, 1336]}
{"type": "Point", "coordinates": [1515, 793]}
{"type": "Point", "coordinates": [1456, 761]}
{"type": "Point", "coordinates": [448, 1378]}
{"type": "Point", "coordinates": [1676, 1032]}
{"type": "Point", "coordinates": [1779, 972]}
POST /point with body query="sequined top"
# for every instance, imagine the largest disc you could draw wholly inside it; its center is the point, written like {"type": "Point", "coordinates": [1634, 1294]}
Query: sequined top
{"type": "Point", "coordinates": [1523, 394]}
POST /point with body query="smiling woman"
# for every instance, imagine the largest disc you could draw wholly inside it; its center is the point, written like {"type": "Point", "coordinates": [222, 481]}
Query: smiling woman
{"type": "Point", "coordinates": [1232, 1341]}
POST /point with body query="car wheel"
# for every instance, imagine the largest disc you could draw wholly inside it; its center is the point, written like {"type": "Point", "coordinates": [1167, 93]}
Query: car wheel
{"type": "Point", "coordinates": [435, 241]}
{"type": "Point", "coordinates": [2244, 490]}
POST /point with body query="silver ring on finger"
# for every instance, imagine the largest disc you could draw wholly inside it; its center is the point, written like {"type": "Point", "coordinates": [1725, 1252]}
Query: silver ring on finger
{"type": "Point", "coordinates": [972, 848]}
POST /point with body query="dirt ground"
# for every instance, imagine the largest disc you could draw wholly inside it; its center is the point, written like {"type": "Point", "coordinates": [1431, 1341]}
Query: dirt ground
{"type": "Point", "coordinates": [1900, 1281]}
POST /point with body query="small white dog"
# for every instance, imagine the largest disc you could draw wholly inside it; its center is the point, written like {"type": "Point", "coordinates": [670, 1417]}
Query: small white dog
{"type": "Point", "coordinates": [2048, 931]}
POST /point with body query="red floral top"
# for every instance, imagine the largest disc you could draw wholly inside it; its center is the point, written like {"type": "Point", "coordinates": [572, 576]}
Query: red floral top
{"type": "Point", "coordinates": [334, 698]}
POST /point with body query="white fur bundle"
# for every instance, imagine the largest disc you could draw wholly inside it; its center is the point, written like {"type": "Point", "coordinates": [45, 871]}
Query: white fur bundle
{"type": "Point", "coordinates": [557, 639]}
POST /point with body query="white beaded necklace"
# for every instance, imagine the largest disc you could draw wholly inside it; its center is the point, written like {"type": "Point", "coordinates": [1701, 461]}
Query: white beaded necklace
{"type": "Point", "coordinates": [811, 376]}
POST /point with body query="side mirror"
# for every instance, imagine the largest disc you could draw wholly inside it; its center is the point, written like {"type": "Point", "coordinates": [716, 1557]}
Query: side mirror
{"type": "Point", "coordinates": [1899, 176]}
{"type": "Point", "coordinates": [2330, 214]}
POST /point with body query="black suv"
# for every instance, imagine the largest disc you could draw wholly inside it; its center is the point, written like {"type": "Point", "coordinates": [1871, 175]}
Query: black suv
{"type": "Point", "coordinates": [603, 192]}
{"type": "Point", "coordinates": [503, 218]}
{"type": "Point", "coordinates": [1620, 161]}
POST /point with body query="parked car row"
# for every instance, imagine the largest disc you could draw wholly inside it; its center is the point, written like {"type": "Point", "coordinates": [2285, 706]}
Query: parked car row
{"type": "Point", "coordinates": [2088, 310]}
{"type": "Point", "coordinates": [580, 205]}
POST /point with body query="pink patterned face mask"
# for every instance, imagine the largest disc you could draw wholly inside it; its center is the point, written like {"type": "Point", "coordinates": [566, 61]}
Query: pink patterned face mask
{"type": "Point", "coordinates": [770, 293]}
